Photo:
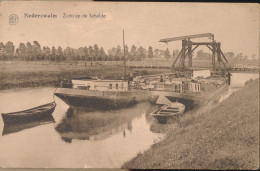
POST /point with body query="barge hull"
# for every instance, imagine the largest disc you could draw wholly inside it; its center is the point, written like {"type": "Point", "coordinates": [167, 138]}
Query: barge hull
{"type": "Point", "coordinates": [102, 99]}
{"type": "Point", "coordinates": [192, 99]}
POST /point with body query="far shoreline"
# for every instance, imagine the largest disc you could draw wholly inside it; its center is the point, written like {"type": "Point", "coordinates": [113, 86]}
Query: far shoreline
{"type": "Point", "coordinates": [27, 75]}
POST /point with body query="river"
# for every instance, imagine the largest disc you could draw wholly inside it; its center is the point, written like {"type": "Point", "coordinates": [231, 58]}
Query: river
{"type": "Point", "coordinates": [79, 137]}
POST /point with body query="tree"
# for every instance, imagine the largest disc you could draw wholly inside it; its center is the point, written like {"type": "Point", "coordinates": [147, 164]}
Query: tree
{"type": "Point", "coordinates": [48, 53]}
{"type": "Point", "coordinates": [156, 53]}
{"type": "Point", "coordinates": [44, 52]}
{"type": "Point", "coordinates": [95, 52]}
{"type": "Point", "coordinates": [230, 55]}
{"type": "Point", "coordinates": [245, 57]}
{"type": "Point", "coordinates": [150, 52]}
{"type": "Point", "coordinates": [29, 51]}
{"type": "Point", "coordinates": [81, 53]}
{"type": "Point", "coordinates": [86, 53]}
{"type": "Point", "coordinates": [141, 53]}
{"type": "Point", "coordinates": [119, 54]}
{"type": "Point", "coordinates": [133, 53]}
{"type": "Point", "coordinates": [22, 49]}
{"type": "Point", "coordinates": [74, 54]}
{"type": "Point", "coordinates": [99, 56]}
{"type": "Point", "coordinates": [91, 52]}
{"type": "Point", "coordinates": [112, 54]}
{"type": "Point", "coordinates": [59, 54]}
{"type": "Point", "coordinates": [102, 54]}
{"type": "Point", "coordinates": [203, 56]}
{"type": "Point", "coordinates": [9, 49]}
{"type": "Point", "coordinates": [254, 57]}
{"type": "Point", "coordinates": [127, 54]}
{"type": "Point", "coordinates": [2, 51]}
{"type": "Point", "coordinates": [68, 54]}
{"type": "Point", "coordinates": [167, 54]}
{"type": "Point", "coordinates": [37, 51]}
{"type": "Point", "coordinates": [17, 51]}
{"type": "Point", "coordinates": [239, 56]}
{"type": "Point", "coordinates": [53, 53]}
{"type": "Point", "coordinates": [2, 46]}
{"type": "Point", "coordinates": [175, 53]}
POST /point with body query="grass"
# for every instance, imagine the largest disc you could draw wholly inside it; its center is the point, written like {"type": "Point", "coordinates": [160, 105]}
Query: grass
{"type": "Point", "coordinates": [16, 75]}
{"type": "Point", "coordinates": [227, 137]}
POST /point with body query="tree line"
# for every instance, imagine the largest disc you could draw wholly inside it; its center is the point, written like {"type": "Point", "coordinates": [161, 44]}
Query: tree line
{"type": "Point", "coordinates": [35, 52]}
{"type": "Point", "coordinates": [231, 56]}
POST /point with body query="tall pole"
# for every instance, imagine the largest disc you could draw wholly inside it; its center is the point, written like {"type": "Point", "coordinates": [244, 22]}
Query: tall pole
{"type": "Point", "coordinates": [124, 54]}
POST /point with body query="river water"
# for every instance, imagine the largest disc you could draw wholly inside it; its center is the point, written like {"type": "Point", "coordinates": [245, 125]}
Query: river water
{"type": "Point", "coordinates": [79, 137]}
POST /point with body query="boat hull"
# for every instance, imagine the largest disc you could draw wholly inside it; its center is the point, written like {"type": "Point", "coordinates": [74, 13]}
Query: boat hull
{"type": "Point", "coordinates": [11, 118]}
{"type": "Point", "coordinates": [164, 115]}
{"type": "Point", "coordinates": [191, 100]}
{"type": "Point", "coordinates": [102, 99]}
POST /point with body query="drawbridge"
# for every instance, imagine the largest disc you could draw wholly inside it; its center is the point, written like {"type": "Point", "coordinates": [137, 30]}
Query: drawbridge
{"type": "Point", "coordinates": [219, 63]}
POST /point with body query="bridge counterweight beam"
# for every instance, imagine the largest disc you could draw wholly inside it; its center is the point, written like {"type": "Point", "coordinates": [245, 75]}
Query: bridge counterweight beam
{"type": "Point", "coordinates": [200, 43]}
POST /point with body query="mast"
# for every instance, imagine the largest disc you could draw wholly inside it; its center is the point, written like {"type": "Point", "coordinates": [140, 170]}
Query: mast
{"type": "Point", "coordinates": [124, 54]}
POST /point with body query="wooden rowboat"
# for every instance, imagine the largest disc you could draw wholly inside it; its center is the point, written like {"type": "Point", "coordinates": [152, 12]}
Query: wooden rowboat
{"type": "Point", "coordinates": [168, 111]}
{"type": "Point", "coordinates": [29, 115]}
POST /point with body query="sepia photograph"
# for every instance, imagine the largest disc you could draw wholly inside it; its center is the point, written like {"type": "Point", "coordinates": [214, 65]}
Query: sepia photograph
{"type": "Point", "coordinates": [129, 85]}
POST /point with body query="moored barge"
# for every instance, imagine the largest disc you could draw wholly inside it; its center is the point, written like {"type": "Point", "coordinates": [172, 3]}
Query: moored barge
{"type": "Point", "coordinates": [100, 93]}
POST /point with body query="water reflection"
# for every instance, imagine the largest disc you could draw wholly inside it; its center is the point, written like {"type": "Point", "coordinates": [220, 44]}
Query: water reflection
{"type": "Point", "coordinates": [162, 128]}
{"type": "Point", "coordinates": [86, 124]}
{"type": "Point", "coordinates": [16, 127]}
{"type": "Point", "coordinates": [149, 119]}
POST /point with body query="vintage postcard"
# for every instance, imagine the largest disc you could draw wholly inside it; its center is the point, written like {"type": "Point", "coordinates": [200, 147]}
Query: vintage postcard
{"type": "Point", "coordinates": [129, 85]}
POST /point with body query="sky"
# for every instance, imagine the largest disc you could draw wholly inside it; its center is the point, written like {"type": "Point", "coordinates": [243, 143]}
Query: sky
{"type": "Point", "coordinates": [235, 25]}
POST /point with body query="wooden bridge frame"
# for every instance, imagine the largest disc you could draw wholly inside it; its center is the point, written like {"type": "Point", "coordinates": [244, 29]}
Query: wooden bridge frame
{"type": "Point", "coordinates": [187, 49]}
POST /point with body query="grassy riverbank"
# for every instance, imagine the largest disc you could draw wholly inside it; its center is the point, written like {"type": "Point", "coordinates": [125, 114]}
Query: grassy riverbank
{"type": "Point", "coordinates": [225, 138]}
{"type": "Point", "coordinates": [15, 75]}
